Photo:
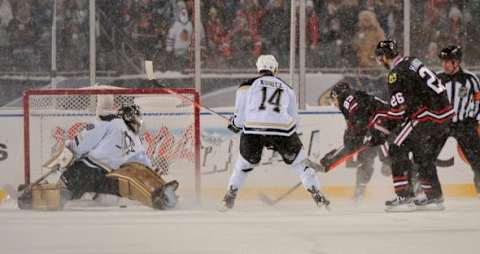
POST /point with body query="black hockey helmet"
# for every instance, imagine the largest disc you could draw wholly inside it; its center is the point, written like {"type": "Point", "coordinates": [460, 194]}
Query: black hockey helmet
{"type": "Point", "coordinates": [339, 89]}
{"type": "Point", "coordinates": [132, 116]}
{"type": "Point", "coordinates": [387, 48]}
{"type": "Point", "coordinates": [451, 52]}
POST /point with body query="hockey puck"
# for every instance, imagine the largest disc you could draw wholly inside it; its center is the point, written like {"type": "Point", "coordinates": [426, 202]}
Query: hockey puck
{"type": "Point", "coordinates": [123, 206]}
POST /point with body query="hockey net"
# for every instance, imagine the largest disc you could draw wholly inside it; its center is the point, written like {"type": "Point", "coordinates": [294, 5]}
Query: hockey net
{"type": "Point", "coordinates": [170, 131]}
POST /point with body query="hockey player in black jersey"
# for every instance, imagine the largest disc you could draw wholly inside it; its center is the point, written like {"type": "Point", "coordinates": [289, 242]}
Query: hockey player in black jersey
{"type": "Point", "coordinates": [419, 100]}
{"type": "Point", "coordinates": [357, 108]}
{"type": "Point", "coordinates": [463, 89]}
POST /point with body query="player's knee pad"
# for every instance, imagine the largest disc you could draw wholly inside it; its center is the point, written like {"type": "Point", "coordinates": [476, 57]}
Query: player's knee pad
{"type": "Point", "coordinates": [138, 182]}
{"type": "Point", "coordinates": [306, 174]}
{"type": "Point", "coordinates": [243, 165]}
{"type": "Point", "coordinates": [242, 168]}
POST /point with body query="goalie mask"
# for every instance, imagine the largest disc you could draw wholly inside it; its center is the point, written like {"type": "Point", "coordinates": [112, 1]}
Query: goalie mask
{"type": "Point", "coordinates": [132, 117]}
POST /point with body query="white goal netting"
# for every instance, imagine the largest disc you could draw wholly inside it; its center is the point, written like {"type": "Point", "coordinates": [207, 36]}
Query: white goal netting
{"type": "Point", "coordinates": [170, 131]}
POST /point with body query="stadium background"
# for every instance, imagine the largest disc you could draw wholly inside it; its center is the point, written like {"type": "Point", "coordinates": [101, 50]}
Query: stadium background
{"type": "Point", "coordinates": [76, 43]}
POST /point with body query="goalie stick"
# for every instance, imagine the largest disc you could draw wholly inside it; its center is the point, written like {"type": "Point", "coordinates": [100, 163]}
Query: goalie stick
{"type": "Point", "coordinates": [317, 167]}
{"type": "Point", "coordinates": [27, 187]}
{"type": "Point", "coordinates": [151, 76]}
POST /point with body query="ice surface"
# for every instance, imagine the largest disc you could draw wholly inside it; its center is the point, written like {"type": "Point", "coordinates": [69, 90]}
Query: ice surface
{"type": "Point", "coordinates": [252, 227]}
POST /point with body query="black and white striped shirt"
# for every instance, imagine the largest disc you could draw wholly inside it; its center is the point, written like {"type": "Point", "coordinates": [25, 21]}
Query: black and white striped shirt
{"type": "Point", "coordinates": [463, 89]}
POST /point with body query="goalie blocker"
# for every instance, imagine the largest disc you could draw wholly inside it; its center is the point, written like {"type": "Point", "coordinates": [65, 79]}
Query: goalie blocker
{"type": "Point", "coordinates": [132, 180]}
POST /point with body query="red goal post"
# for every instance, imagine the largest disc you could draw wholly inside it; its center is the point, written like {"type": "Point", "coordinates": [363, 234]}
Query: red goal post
{"type": "Point", "coordinates": [171, 132]}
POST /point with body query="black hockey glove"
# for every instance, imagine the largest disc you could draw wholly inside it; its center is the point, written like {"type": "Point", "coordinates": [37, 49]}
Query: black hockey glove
{"type": "Point", "coordinates": [232, 127]}
{"type": "Point", "coordinates": [376, 138]}
{"type": "Point", "coordinates": [327, 159]}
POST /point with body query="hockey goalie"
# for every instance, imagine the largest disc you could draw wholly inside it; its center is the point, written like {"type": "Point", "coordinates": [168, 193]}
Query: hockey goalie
{"type": "Point", "coordinates": [107, 157]}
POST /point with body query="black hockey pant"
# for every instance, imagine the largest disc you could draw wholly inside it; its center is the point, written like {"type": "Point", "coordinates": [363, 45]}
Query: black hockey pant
{"type": "Point", "coordinates": [251, 146]}
{"type": "Point", "coordinates": [465, 132]}
{"type": "Point", "coordinates": [80, 178]}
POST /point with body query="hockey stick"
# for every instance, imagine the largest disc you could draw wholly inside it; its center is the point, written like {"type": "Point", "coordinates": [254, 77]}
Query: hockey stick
{"type": "Point", "coordinates": [265, 199]}
{"type": "Point", "coordinates": [27, 187]}
{"type": "Point", "coordinates": [317, 167]}
{"type": "Point", "coordinates": [61, 159]}
{"type": "Point", "coordinates": [151, 76]}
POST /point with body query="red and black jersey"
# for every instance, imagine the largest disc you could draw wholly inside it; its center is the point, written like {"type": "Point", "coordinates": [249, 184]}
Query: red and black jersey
{"type": "Point", "coordinates": [358, 108]}
{"type": "Point", "coordinates": [416, 93]}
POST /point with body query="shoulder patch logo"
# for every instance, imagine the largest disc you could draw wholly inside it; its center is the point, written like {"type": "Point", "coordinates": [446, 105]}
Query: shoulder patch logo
{"type": "Point", "coordinates": [392, 77]}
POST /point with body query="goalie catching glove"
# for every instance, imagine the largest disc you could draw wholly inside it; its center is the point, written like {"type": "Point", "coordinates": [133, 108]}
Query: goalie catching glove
{"type": "Point", "coordinates": [61, 159]}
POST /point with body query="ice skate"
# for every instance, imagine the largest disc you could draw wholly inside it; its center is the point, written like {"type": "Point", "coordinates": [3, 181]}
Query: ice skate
{"type": "Point", "coordinates": [319, 198]}
{"type": "Point", "coordinates": [400, 204]}
{"type": "Point", "coordinates": [430, 204]}
{"type": "Point", "coordinates": [229, 199]}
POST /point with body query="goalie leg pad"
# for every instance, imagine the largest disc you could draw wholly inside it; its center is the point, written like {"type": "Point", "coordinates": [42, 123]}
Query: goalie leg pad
{"type": "Point", "coordinates": [46, 197]}
{"type": "Point", "coordinates": [138, 182]}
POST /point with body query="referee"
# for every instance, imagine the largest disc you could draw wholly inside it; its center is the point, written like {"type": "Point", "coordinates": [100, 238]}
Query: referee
{"type": "Point", "coordinates": [463, 89]}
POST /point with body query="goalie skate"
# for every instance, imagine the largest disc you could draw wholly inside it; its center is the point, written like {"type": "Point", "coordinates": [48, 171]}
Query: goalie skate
{"type": "Point", "coordinates": [400, 204]}
{"type": "Point", "coordinates": [165, 197]}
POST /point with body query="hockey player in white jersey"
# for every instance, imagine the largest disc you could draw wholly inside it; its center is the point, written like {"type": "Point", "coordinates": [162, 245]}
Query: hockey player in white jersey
{"type": "Point", "coordinates": [109, 144]}
{"type": "Point", "coordinates": [109, 158]}
{"type": "Point", "coordinates": [266, 113]}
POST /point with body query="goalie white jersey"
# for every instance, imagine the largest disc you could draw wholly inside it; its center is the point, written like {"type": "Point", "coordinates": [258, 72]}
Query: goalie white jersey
{"type": "Point", "coordinates": [266, 105]}
{"type": "Point", "coordinates": [109, 144]}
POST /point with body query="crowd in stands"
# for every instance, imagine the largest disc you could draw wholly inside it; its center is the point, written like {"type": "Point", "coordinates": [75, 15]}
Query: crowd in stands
{"type": "Point", "coordinates": [339, 33]}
